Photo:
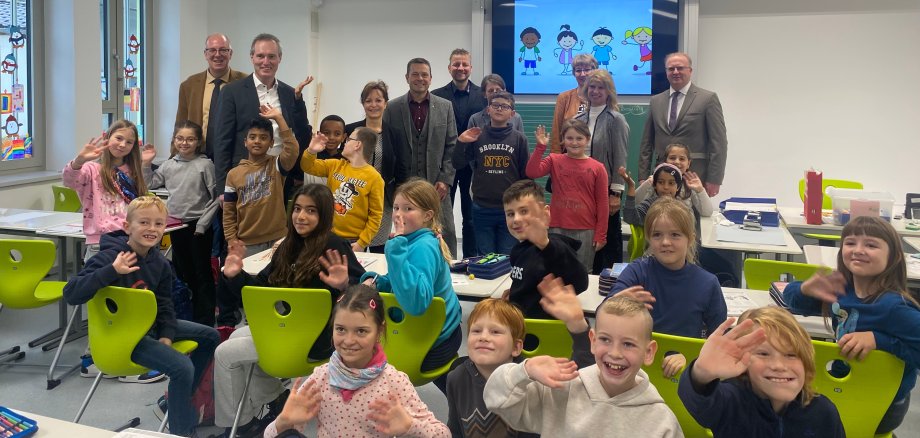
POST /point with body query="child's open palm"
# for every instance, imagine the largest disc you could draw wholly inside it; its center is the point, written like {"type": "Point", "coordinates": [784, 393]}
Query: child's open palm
{"type": "Point", "coordinates": [236, 251]}
{"type": "Point", "coordinates": [389, 416]}
{"type": "Point", "coordinates": [541, 135]}
{"type": "Point", "coordinates": [301, 406]}
{"type": "Point", "coordinates": [92, 150]}
{"type": "Point", "coordinates": [266, 111]}
{"type": "Point", "coordinates": [124, 262]}
{"type": "Point", "coordinates": [470, 135]}
{"type": "Point", "coordinates": [727, 355]}
{"type": "Point", "coordinates": [630, 184]}
{"type": "Point", "coordinates": [318, 143]}
{"type": "Point", "coordinates": [825, 287]}
{"type": "Point", "coordinates": [560, 301]}
{"type": "Point", "coordinates": [639, 294]}
{"type": "Point", "coordinates": [148, 153]}
{"type": "Point", "coordinates": [551, 371]}
{"type": "Point", "coordinates": [336, 269]}
{"type": "Point", "coordinates": [693, 181]}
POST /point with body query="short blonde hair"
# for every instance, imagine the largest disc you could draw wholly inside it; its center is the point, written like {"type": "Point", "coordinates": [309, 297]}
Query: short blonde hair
{"type": "Point", "coordinates": [502, 311]}
{"type": "Point", "coordinates": [785, 334]}
{"type": "Point", "coordinates": [679, 215]}
{"type": "Point", "coordinates": [146, 201]}
{"type": "Point", "coordinates": [625, 306]}
{"type": "Point", "coordinates": [602, 77]}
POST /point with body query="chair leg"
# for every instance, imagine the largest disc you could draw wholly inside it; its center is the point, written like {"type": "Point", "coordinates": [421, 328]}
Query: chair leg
{"type": "Point", "coordinates": [239, 409]}
{"type": "Point", "coordinates": [89, 395]}
{"type": "Point", "coordinates": [134, 422]}
{"type": "Point", "coordinates": [11, 355]}
{"type": "Point", "coordinates": [52, 382]}
{"type": "Point", "coordinates": [53, 335]}
{"type": "Point", "coordinates": [163, 423]}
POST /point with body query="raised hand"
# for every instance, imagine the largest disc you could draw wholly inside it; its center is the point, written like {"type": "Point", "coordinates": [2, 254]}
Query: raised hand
{"type": "Point", "coordinates": [541, 135]}
{"type": "Point", "coordinates": [148, 153]}
{"type": "Point", "coordinates": [317, 143]}
{"type": "Point", "coordinates": [91, 150]}
{"type": "Point", "coordinates": [639, 294]}
{"type": "Point", "coordinates": [857, 345]}
{"type": "Point", "coordinates": [671, 365]}
{"type": "Point", "coordinates": [301, 406]}
{"type": "Point", "coordinates": [470, 135]}
{"type": "Point", "coordinates": [389, 416]}
{"type": "Point", "coordinates": [399, 226]}
{"type": "Point", "coordinates": [727, 355]}
{"type": "Point", "coordinates": [692, 180]}
{"type": "Point", "coordinates": [124, 262]}
{"type": "Point", "coordinates": [630, 184]}
{"type": "Point", "coordinates": [298, 90]}
{"type": "Point", "coordinates": [267, 112]}
{"type": "Point", "coordinates": [551, 371]}
{"type": "Point", "coordinates": [335, 266]}
{"type": "Point", "coordinates": [561, 302]}
{"type": "Point", "coordinates": [825, 287]}
{"type": "Point", "coordinates": [236, 251]}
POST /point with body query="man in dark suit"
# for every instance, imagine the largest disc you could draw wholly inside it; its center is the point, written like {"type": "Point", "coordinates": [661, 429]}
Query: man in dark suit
{"type": "Point", "coordinates": [467, 99]}
{"type": "Point", "coordinates": [197, 92]}
{"type": "Point", "coordinates": [429, 125]}
{"type": "Point", "coordinates": [239, 104]}
{"type": "Point", "coordinates": [688, 115]}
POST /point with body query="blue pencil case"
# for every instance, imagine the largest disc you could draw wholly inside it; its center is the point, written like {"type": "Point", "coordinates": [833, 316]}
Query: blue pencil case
{"type": "Point", "coordinates": [13, 425]}
{"type": "Point", "coordinates": [489, 266]}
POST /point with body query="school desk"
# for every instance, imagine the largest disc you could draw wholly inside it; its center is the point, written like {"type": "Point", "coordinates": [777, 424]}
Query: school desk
{"type": "Point", "coordinates": [795, 221]}
{"type": "Point", "coordinates": [827, 256]}
{"type": "Point", "coordinates": [467, 289]}
{"type": "Point", "coordinates": [53, 428]}
{"type": "Point", "coordinates": [709, 230]}
{"type": "Point", "coordinates": [913, 242]}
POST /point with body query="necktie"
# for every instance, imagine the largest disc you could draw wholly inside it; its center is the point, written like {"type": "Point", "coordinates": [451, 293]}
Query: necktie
{"type": "Point", "coordinates": [672, 117]}
{"type": "Point", "coordinates": [212, 119]}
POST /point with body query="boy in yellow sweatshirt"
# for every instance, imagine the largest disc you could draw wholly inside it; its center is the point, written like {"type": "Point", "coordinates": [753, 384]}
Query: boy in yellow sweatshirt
{"type": "Point", "coordinates": [357, 188]}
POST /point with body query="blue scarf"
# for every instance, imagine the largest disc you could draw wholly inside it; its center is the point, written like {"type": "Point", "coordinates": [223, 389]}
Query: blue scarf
{"type": "Point", "coordinates": [348, 380]}
{"type": "Point", "coordinates": [125, 185]}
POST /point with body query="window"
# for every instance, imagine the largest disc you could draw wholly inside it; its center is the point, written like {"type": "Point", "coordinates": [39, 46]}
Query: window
{"type": "Point", "coordinates": [123, 61]}
{"type": "Point", "coordinates": [16, 91]}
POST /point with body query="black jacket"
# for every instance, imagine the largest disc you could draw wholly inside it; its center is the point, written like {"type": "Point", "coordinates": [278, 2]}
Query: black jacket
{"type": "Point", "coordinates": [529, 265]}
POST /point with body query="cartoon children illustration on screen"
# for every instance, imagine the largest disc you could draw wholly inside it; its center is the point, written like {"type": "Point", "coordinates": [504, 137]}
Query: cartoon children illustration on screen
{"type": "Point", "coordinates": [567, 41]}
{"type": "Point", "coordinates": [530, 53]}
{"type": "Point", "coordinates": [602, 51]}
{"type": "Point", "coordinates": [641, 37]}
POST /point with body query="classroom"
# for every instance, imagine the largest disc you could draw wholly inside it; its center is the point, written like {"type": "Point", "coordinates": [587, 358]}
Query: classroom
{"type": "Point", "coordinates": [781, 69]}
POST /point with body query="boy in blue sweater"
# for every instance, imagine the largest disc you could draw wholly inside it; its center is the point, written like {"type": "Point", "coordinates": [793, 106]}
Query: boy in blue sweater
{"type": "Point", "coordinates": [130, 258]}
{"type": "Point", "coordinates": [498, 154]}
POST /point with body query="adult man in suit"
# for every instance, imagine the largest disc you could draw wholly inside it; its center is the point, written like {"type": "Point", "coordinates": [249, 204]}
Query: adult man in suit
{"type": "Point", "coordinates": [429, 125]}
{"type": "Point", "coordinates": [198, 91]}
{"type": "Point", "coordinates": [467, 99]}
{"type": "Point", "coordinates": [689, 115]}
{"type": "Point", "coordinates": [239, 104]}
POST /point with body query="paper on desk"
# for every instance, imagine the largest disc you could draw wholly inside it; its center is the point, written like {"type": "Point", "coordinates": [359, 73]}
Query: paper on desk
{"type": "Point", "coordinates": [72, 228]}
{"type": "Point", "coordinates": [25, 216]}
{"type": "Point", "coordinates": [138, 433]}
{"type": "Point", "coordinates": [459, 279]}
{"type": "Point", "coordinates": [366, 261]}
{"type": "Point", "coordinates": [737, 302]}
{"type": "Point", "coordinates": [750, 206]}
{"type": "Point", "coordinates": [768, 236]}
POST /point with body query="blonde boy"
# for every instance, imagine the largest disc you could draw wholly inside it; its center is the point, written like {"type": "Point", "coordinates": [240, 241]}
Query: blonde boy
{"type": "Point", "coordinates": [612, 398]}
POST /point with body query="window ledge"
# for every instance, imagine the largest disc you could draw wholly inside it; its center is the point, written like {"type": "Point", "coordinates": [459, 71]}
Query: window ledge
{"type": "Point", "coordinates": [29, 178]}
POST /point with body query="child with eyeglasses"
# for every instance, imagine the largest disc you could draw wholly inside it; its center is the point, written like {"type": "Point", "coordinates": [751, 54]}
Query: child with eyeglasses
{"type": "Point", "coordinates": [498, 155]}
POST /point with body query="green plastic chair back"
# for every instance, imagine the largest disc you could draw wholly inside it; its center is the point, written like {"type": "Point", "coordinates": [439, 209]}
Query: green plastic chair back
{"type": "Point", "coordinates": [862, 396]}
{"type": "Point", "coordinates": [636, 245]}
{"type": "Point", "coordinates": [409, 338]}
{"type": "Point", "coordinates": [23, 265]}
{"type": "Point", "coordinates": [554, 338]}
{"type": "Point", "coordinates": [66, 199]}
{"type": "Point", "coordinates": [825, 183]}
{"type": "Point", "coordinates": [759, 273]}
{"type": "Point", "coordinates": [119, 318]}
{"type": "Point", "coordinates": [667, 387]}
{"type": "Point", "coordinates": [283, 341]}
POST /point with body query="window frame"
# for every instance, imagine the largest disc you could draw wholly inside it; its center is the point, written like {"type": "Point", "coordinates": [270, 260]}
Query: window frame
{"type": "Point", "coordinates": [35, 95]}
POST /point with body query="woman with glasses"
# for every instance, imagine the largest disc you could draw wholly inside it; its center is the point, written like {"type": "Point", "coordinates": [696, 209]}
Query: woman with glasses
{"type": "Point", "coordinates": [609, 143]}
{"type": "Point", "coordinates": [569, 103]}
{"type": "Point", "coordinates": [491, 85]}
{"type": "Point", "coordinates": [391, 153]}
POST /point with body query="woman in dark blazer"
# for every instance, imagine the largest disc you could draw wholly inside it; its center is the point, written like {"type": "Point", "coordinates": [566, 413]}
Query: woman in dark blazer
{"type": "Point", "coordinates": [391, 155]}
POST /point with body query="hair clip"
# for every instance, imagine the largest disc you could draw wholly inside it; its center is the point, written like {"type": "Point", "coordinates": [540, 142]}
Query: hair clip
{"type": "Point", "coordinates": [340, 298]}
{"type": "Point", "coordinates": [372, 304]}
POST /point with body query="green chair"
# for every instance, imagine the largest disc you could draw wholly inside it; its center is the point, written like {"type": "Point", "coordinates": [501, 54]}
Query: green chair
{"type": "Point", "coordinates": [863, 395]}
{"type": "Point", "coordinates": [759, 273]}
{"type": "Point", "coordinates": [554, 339]}
{"type": "Point", "coordinates": [119, 318]}
{"type": "Point", "coordinates": [284, 324]}
{"type": "Point", "coordinates": [23, 266]}
{"type": "Point", "coordinates": [636, 245]}
{"type": "Point", "coordinates": [826, 204]}
{"type": "Point", "coordinates": [409, 338]}
{"type": "Point", "coordinates": [667, 387]}
{"type": "Point", "coordinates": [66, 199]}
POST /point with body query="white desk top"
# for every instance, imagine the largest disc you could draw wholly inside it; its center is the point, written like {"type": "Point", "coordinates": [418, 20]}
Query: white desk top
{"type": "Point", "coordinates": [737, 300]}
{"type": "Point", "coordinates": [74, 229]}
{"type": "Point", "coordinates": [17, 219]}
{"type": "Point", "coordinates": [476, 289]}
{"type": "Point", "coordinates": [795, 221]}
{"type": "Point", "coordinates": [52, 427]}
{"type": "Point", "coordinates": [708, 240]}
{"type": "Point", "coordinates": [827, 256]}
{"type": "Point", "coordinates": [914, 242]}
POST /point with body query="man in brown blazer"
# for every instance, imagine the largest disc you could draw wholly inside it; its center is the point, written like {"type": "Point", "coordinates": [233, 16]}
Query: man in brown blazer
{"type": "Point", "coordinates": [196, 92]}
{"type": "Point", "coordinates": [688, 115]}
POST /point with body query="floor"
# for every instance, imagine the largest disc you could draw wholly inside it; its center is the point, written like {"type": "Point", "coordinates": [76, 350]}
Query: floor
{"type": "Point", "coordinates": [115, 403]}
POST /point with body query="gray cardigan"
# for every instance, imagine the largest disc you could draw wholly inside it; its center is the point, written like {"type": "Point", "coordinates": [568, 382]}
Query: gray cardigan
{"type": "Point", "coordinates": [192, 189]}
{"type": "Point", "coordinates": [609, 143]}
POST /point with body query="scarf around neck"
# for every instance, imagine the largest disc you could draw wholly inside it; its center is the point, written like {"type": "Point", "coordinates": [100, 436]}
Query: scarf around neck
{"type": "Point", "coordinates": [349, 380]}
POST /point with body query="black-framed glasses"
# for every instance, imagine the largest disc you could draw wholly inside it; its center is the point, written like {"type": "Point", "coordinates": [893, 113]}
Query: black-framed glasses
{"type": "Point", "coordinates": [501, 107]}
{"type": "Point", "coordinates": [222, 51]}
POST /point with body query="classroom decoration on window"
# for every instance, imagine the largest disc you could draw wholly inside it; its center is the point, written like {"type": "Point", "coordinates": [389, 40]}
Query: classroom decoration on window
{"type": "Point", "coordinates": [15, 60]}
{"type": "Point", "coordinates": [6, 103]}
{"type": "Point", "coordinates": [17, 37]}
{"type": "Point", "coordinates": [134, 46]}
{"type": "Point", "coordinates": [129, 69]}
{"type": "Point", "coordinates": [9, 64]}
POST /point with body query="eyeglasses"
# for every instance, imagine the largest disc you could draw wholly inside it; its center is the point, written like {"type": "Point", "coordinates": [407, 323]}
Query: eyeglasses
{"type": "Point", "coordinates": [501, 107]}
{"type": "Point", "coordinates": [350, 139]}
{"type": "Point", "coordinates": [178, 139]}
{"type": "Point", "coordinates": [583, 71]}
{"type": "Point", "coordinates": [212, 51]}
{"type": "Point", "coordinates": [674, 69]}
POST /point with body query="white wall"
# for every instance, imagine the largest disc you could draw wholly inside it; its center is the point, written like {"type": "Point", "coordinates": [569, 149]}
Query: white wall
{"type": "Point", "coordinates": [824, 83]}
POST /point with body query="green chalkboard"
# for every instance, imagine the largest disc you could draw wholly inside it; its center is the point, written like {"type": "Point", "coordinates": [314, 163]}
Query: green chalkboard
{"type": "Point", "coordinates": [534, 114]}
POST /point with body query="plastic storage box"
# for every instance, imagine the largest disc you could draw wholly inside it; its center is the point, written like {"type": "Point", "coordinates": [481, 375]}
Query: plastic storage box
{"type": "Point", "coordinates": [849, 203]}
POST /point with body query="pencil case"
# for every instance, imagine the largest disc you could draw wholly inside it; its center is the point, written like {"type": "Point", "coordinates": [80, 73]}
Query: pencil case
{"type": "Point", "coordinates": [489, 266]}
{"type": "Point", "coordinates": [13, 425]}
